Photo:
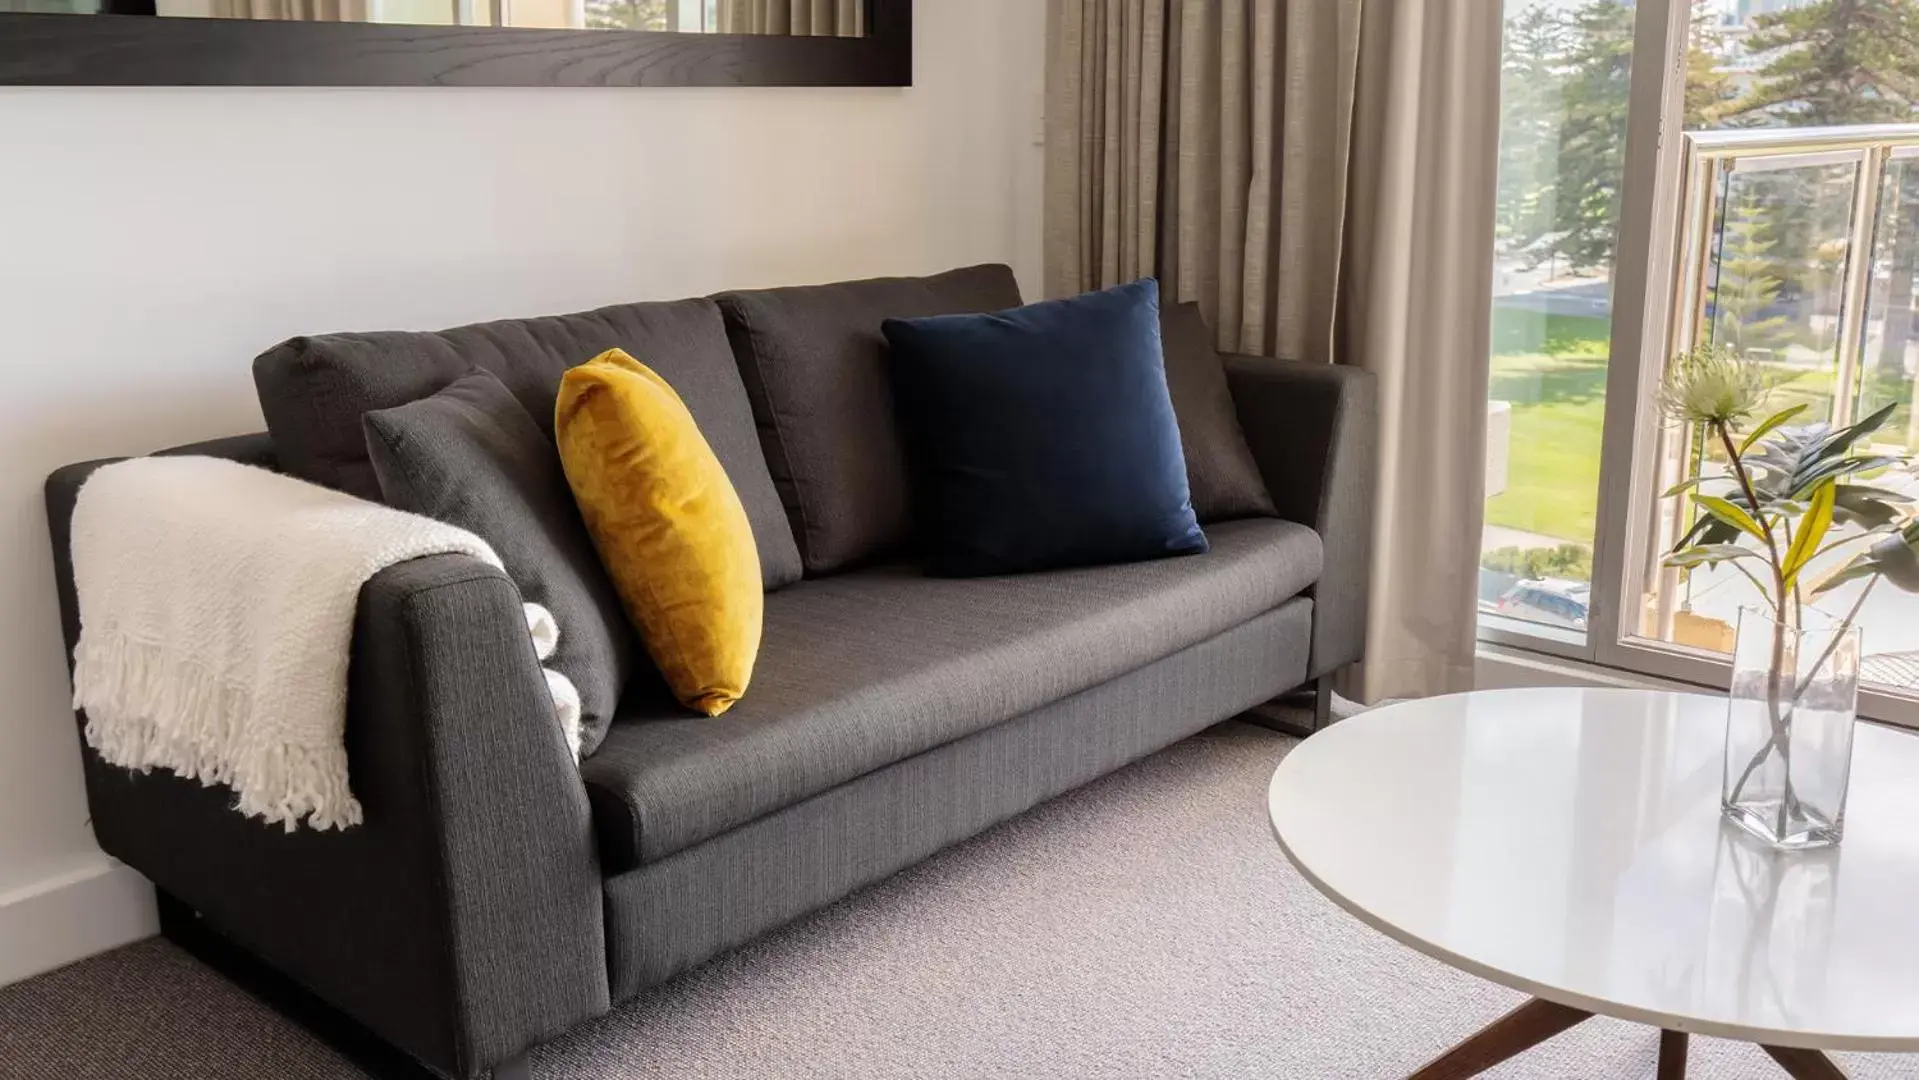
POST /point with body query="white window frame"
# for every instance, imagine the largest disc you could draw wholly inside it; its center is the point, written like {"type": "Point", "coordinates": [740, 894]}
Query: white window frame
{"type": "Point", "coordinates": [1654, 125]}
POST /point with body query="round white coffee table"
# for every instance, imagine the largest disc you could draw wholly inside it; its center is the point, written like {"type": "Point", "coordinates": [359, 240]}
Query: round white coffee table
{"type": "Point", "coordinates": [1567, 843]}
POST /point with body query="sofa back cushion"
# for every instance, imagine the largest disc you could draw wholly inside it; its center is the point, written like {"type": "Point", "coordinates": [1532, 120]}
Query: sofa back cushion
{"type": "Point", "coordinates": [1220, 469]}
{"type": "Point", "coordinates": [815, 368]}
{"type": "Point", "coordinates": [1044, 436]}
{"type": "Point", "coordinates": [470, 456]}
{"type": "Point", "coordinates": [314, 390]}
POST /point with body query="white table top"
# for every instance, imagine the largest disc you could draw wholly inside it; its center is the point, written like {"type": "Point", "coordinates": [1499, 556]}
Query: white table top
{"type": "Point", "coordinates": [1568, 843]}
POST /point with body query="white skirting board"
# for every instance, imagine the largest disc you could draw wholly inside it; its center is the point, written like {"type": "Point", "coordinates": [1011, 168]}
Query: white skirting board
{"type": "Point", "coordinates": [76, 908]}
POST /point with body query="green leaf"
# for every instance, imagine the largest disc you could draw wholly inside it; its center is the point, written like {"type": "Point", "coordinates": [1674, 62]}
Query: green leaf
{"type": "Point", "coordinates": [1788, 448]}
{"type": "Point", "coordinates": [1707, 530]}
{"type": "Point", "coordinates": [1682, 485]}
{"type": "Point", "coordinates": [1868, 534]}
{"type": "Point", "coordinates": [1835, 467]}
{"type": "Point", "coordinates": [1861, 567]}
{"type": "Point", "coordinates": [1768, 424]}
{"type": "Point", "coordinates": [1795, 476]}
{"type": "Point", "coordinates": [1895, 558]}
{"type": "Point", "coordinates": [1731, 515]}
{"type": "Point", "coordinates": [1845, 437]}
{"type": "Point", "coordinates": [1693, 535]}
{"type": "Point", "coordinates": [1812, 529]}
{"type": "Point", "coordinates": [1858, 504]}
{"type": "Point", "coordinates": [1795, 459]}
{"type": "Point", "coordinates": [1885, 494]}
{"type": "Point", "coordinates": [1707, 554]}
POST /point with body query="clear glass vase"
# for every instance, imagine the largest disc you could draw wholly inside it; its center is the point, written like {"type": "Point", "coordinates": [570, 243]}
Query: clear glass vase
{"type": "Point", "coordinates": [1789, 719]}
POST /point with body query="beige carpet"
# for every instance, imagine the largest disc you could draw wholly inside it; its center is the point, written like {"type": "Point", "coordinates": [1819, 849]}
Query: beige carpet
{"type": "Point", "coordinates": [1144, 926]}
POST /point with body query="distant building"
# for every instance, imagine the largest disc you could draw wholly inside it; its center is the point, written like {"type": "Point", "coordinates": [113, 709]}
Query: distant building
{"type": "Point", "coordinates": [1746, 10]}
{"type": "Point", "coordinates": [1735, 57]}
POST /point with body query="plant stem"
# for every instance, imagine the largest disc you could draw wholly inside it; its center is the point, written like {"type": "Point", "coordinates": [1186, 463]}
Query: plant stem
{"type": "Point", "coordinates": [1787, 802]}
{"type": "Point", "coordinates": [1758, 516]}
{"type": "Point", "coordinates": [1838, 632]}
{"type": "Point", "coordinates": [1805, 684]}
{"type": "Point", "coordinates": [1774, 676]}
{"type": "Point", "coordinates": [1756, 583]}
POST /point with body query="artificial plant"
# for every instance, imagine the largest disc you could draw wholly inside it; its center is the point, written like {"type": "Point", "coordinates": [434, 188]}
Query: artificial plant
{"type": "Point", "coordinates": [1793, 493]}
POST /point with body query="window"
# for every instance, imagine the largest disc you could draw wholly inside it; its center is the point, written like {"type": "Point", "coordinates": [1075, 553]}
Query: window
{"type": "Point", "coordinates": [1798, 262]}
{"type": "Point", "coordinates": [1784, 222]}
{"type": "Point", "coordinates": [1564, 87]}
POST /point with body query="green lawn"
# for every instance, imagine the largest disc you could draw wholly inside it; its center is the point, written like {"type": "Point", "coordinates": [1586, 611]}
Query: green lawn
{"type": "Point", "coordinates": [1552, 369]}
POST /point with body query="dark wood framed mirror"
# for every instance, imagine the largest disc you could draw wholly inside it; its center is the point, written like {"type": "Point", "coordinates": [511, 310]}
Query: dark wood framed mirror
{"type": "Point", "coordinates": [456, 42]}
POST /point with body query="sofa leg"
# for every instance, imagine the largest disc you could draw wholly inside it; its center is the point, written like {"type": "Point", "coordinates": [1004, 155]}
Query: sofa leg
{"type": "Point", "coordinates": [1322, 702]}
{"type": "Point", "coordinates": [515, 1068]}
{"type": "Point", "coordinates": [1282, 714]}
{"type": "Point", "coordinates": [183, 926]}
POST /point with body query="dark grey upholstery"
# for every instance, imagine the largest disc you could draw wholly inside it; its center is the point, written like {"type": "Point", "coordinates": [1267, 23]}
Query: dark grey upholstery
{"type": "Point", "coordinates": [814, 365]}
{"type": "Point", "coordinates": [472, 915]}
{"type": "Point", "coordinates": [313, 391]}
{"type": "Point", "coordinates": [1220, 470]}
{"type": "Point", "coordinates": [1313, 428]}
{"type": "Point", "coordinates": [462, 922]}
{"type": "Point", "coordinates": [669, 916]}
{"type": "Point", "coordinates": [862, 670]}
{"type": "Point", "coordinates": [470, 456]}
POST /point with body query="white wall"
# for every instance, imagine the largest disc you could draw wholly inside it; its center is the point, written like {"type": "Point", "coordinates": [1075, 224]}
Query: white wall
{"type": "Point", "coordinates": [153, 241]}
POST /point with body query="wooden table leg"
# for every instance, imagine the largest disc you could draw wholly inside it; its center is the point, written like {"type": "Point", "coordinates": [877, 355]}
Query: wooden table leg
{"type": "Point", "coordinates": [1805, 1064]}
{"type": "Point", "coordinates": [1522, 1029]}
{"type": "Point", "coordinates": [1672, 1055]}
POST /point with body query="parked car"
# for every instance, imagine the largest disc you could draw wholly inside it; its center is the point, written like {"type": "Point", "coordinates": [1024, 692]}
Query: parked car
{"type": "Point", "coordinates": [1554, 601]}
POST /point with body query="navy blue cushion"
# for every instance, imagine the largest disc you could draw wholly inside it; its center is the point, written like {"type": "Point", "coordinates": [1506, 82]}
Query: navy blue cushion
{"type": "Point", "coordinates": [1043, 436]}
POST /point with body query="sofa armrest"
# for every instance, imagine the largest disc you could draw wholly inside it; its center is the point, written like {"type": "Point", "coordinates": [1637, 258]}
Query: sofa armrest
{"type": "Point", "coordinates": [449, 700]}
{"type": "Point", "coordinates": [1313, 430]}
{"type": "Point", "coordinates": [462, 922]}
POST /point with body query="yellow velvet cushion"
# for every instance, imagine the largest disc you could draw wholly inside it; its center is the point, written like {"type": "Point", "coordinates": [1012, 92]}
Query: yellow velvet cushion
{"type": "Point", "coordinates": [668, 525]}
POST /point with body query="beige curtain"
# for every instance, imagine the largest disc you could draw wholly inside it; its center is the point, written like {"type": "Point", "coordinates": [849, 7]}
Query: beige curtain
{"type": "Point", "coordinates": [800, 18]}
{"type": "Point", "coordinates": [1318, 175]}
{"type": "Point", "coordinates": [1415, 309]}
{"type": "Point", "coordinates": [1105, 78]}
{"type": "Point", "coordinates": [291, 10]}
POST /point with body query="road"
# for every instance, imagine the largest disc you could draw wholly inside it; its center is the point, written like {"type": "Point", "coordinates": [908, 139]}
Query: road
{"type": "Point", "coordinates": [1589, 298]}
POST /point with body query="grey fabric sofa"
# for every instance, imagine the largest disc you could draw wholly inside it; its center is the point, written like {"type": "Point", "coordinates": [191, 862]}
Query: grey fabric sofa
{"type": "Point", "coordinates": [499, 894]}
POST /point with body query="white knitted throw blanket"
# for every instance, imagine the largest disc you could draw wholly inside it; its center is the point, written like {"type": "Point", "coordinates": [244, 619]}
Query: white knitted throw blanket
{"type": "Point", "coordinates": [216, 621]}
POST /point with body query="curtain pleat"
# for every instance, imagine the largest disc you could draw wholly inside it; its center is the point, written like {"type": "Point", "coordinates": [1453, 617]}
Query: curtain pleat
{"type": "Point", "coordinates": [1211, 148]}
{"type": "Point", "coordinates": [1317, 175]}
{"type": "Point", "coordinates": [1102, 185]}
{"type": "Point", "coordinates": [1198, 149]}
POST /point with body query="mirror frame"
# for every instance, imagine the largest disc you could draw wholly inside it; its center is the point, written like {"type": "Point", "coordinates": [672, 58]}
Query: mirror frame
{"type": "Point", "coordinates": [141, 50]}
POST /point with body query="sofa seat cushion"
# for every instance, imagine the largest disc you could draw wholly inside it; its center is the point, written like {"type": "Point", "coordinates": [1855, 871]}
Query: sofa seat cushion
{"type": "Point", "coordinates": [862, 670]}
{"type": "Point", "coordinates": [313, 391]}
